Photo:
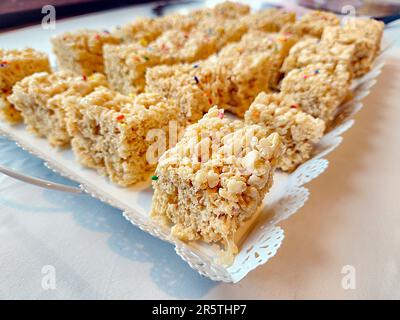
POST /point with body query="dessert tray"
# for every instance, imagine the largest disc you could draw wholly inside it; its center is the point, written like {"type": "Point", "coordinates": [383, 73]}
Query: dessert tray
{"type": "Point", "coordinates": [259, 239]}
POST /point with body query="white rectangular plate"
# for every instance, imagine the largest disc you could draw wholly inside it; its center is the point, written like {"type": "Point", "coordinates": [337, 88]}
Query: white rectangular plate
{"type": "Point", "coordinates": [259, 239]}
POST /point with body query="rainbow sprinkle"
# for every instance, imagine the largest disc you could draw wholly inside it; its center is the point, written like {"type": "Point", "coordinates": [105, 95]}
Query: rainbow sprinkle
{"type": "Point", "coordinates": [154, 178]}
{"type": "Point", "coordinates": [120, 117]}
{"type": "Point", "coordinates": [221, 114]}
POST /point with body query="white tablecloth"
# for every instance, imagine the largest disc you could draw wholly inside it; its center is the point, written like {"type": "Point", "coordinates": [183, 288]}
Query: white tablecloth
{"type": "Point", "coordinates": [352, 218]}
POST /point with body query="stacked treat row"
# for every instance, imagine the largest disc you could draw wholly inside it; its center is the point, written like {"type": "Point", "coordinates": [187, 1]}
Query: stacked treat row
{"type": "Point", "coordinates": [284, 77]}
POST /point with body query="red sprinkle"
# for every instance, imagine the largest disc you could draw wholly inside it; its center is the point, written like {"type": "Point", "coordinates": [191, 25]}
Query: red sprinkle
{"type": "Point", "coordinates": [120, 117]}
{"type": "Point", "coordinates": [294, 106]}
{"type": "Point", "coordinates": [84, 77]}
{"type": "Point", "coordinates": [305, 77]}
{"type": "Point", "coordinates": [97, 37]}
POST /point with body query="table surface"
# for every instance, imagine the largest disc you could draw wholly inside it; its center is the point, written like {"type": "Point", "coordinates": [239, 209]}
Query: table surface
{"type": "Point", "coordinates": [351, 219]}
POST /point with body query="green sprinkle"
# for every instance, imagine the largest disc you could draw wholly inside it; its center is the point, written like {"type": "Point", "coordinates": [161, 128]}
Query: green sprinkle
{"type": "Point", "coordinates": [154, 178]}
{"type": "Point", "coordinates": [146, 58]}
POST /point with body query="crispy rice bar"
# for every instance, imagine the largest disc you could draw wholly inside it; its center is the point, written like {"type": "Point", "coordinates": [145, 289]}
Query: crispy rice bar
{"type": "Point", "coordinates": [312, 51]}
{"type": "Point", "coordinates": [41, 100]}
{"type": "Point", "coordinates": [231, 79]}
{"type": "Point", "coordinates": [178, 83]}
{"type": "Point", "coordinates": [269, 20]}
{"type": "Point", "coordinates": [126, 65]}
{"type": "Point", "coordinates": [298, 130]}
{"type": "Point", "coordinates": [312, 24]}
{"type": "Point", "coordinates": [365, 48]}
{"type": "Point", "coordinates": [367, 28]}
{"type": "Point", "coordinates": [318, 88]}
{"type": "Point", "coordinates": [109, 132]}
{"type": "Point", "coordinates": [214, 179]}
{"type": "Point", "coordinates": [82, 51]}
{"type": "Point", "coordinates": [14, 66]}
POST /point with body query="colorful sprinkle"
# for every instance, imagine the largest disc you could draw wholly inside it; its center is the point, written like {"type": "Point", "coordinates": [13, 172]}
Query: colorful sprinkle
{"type": "Point", "coordinates": [120, 117]}
{"type": "Point", "coordinates": [316, 71]}
{"type": "Point", "coordinates": [196, 66]}
{"type": "Point", "coordinates": [84, 77]}
{"type": "Point", "coordinates": [106, 31]}
{"type": "Point", "coordinates": [294, 106]}
{"type": "Point", "coordinates": [146, 58]}
{"type": "Point", "coordinates": [305, 76]}
{"type": "Point", "coordinates": [221, 114]}
{"type": "Point", "coordinates": [97, 37]}
{"type": "Point", "coordinates": [154, 178]}
{"type": "Point", "coordinates": [196, 79]}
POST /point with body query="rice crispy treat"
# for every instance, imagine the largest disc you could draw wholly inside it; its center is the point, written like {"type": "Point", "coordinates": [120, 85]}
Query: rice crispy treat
{"type": "Point", "coordinates": [82, 51]}
{"type": "Point", "coordinates": [269, 20]}
{"type": "Point", "coordinates": [312, 51]}
{"type": "Point", "coordinates": [179, 83]}
{"type": "Point", "coordinates": [214, 179]}
{"type": "Point", "coordinates": [312, 24]}
{"type": "Point", "coordinates": [41, 100]}
{"type": "Point", "coordinates": [368, 28]}
{"type": "Point", "coordinates": [14, 66]}
{"type": "Point", "coordinates": [109, 132]}
{"type": "Point", "coordinates": [126, 65]}
{"type": "Point", "coordinates": [318, 88]}
{"type": "Point", "coordinates": [230, 79]}
{"type": "Point", "coordinates": [365, 48]}
{"type": "Point", "coordinates": [298, 130]}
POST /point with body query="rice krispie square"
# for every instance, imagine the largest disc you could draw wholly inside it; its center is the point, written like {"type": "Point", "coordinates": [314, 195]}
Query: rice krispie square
{"type": "Point", "coordinates": [111, 132]}
{"type": "Point", "coordinates": [81, 51]}
{"type": "Point", "coordinates": [230, 79]}
{"type": "Point", "coordinates": [318, 88]}
{"type": "Point", "coordinates": [269, 20]}
{"type": "Point", "coordinates": [30, 97]}
{"type": "Point", "coordinates": [180, 83]}
{"type": "Point", "coordinates": [41, 100]}
{"type": "Point", "coordinates": [369, 28]}
{"type": "Point", "coordinates": [365, 46]}
{"type": "Point", "coordinates": [312, 24]}
{"type": "Point", "coordinates": [14, 66]}
{"type": "Point", "coordinates": [298, 130]}
{"type": "Point", "coordinates": [126, 65]}
{"type": "Point", "coordinates": [312, 51]}
{"type": "Point", "coordinates": [214, 179]}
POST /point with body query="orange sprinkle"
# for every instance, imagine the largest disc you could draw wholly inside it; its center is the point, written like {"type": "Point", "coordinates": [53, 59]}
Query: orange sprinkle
{"type": "Point", "coordinates": [120, 118]}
